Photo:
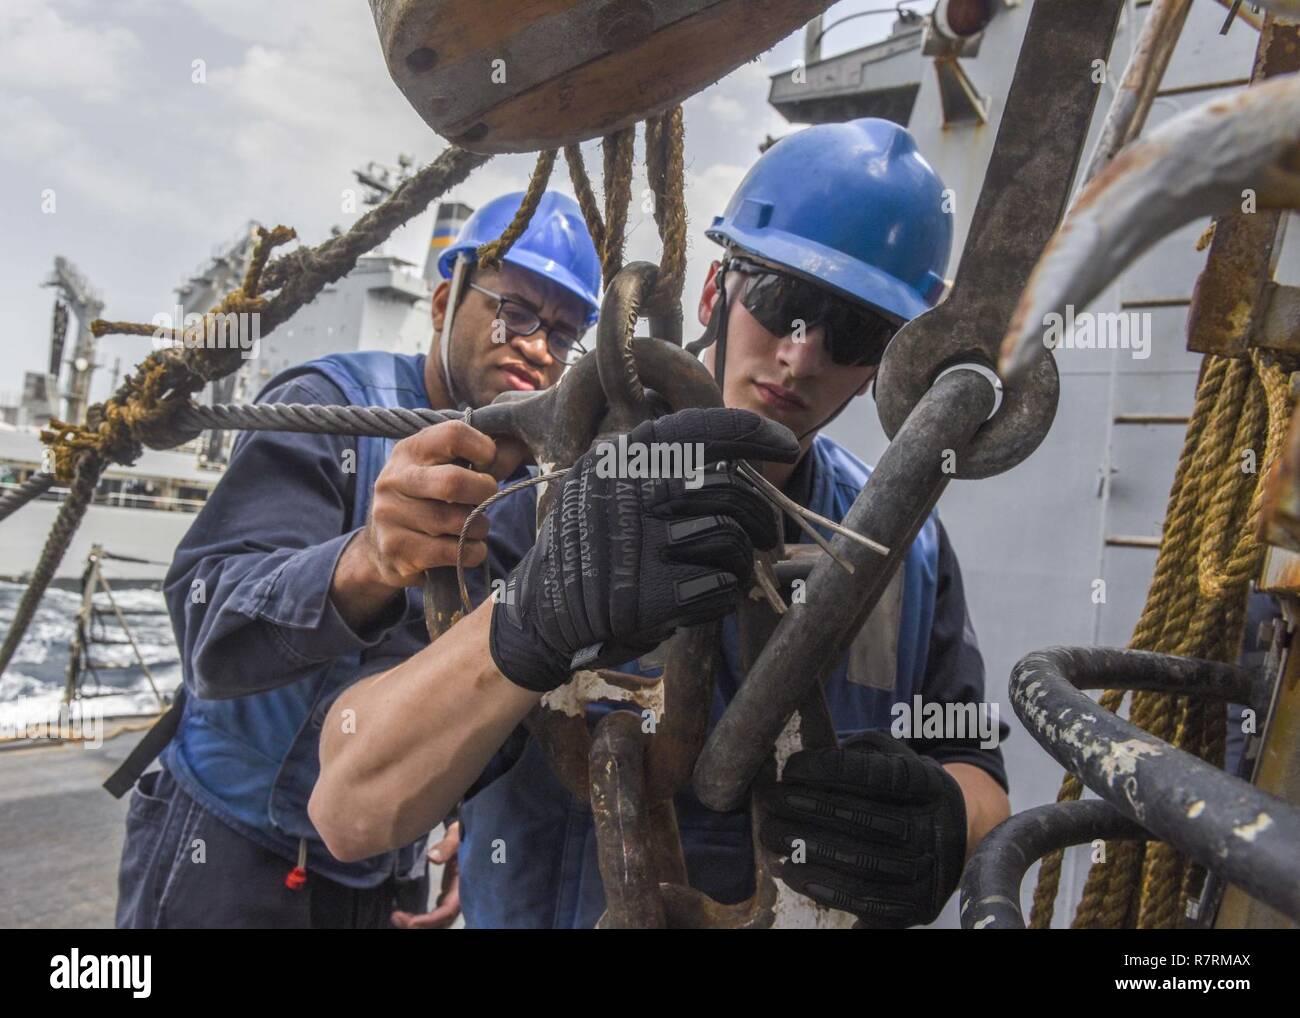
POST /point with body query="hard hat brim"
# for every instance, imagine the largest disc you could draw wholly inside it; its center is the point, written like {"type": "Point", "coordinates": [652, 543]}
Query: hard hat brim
{"type": "Point", "coordinates": [834, 270]}
{"type": "Point", "coordinates": [548, 269]}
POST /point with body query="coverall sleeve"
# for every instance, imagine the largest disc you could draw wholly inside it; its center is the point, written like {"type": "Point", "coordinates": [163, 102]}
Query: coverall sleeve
{"type": "Point", "coordinates": [248, 588]}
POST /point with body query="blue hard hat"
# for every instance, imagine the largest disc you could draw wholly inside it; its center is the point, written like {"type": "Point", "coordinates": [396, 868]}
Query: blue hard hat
{"type": "Point", "coordinates": [853, 207]}
{"type": "Point", "coordinates": [556, 244]}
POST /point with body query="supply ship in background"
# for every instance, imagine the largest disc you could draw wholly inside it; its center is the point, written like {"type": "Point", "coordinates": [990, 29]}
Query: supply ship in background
{"type": "Point", "coordinates": [1101, 476]}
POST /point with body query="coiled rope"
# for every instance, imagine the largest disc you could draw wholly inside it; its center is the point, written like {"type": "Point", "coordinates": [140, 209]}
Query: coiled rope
{"type": "Point", "coordinates": [1196, 607]}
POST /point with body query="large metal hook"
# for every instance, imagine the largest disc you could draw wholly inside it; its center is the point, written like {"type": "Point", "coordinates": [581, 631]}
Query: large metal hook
{"type": "Point", "coordinates": [1199, 163]}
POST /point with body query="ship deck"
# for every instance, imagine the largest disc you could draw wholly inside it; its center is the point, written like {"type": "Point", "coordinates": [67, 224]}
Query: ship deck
{"type": "Point", "coordinates": [61, 833]}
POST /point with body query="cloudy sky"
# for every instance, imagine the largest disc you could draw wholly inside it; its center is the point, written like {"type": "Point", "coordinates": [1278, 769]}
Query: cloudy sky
{"type": "Point", "coordinates": [151, 172]}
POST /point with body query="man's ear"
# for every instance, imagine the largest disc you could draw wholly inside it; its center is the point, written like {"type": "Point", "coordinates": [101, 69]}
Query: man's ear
{"type": "Point", "coordinates": [439, 305]}
{"type": "Point", "coordinates": [709, 295]}
{"type": "Point", "coordinates": [867, 384]}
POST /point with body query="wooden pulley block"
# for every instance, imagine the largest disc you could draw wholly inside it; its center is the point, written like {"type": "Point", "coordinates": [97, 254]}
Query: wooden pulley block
{"type": "Point", "coordinates": [523, 75]}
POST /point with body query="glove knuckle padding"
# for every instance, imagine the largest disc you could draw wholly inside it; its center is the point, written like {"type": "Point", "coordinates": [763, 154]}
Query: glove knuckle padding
{"type": "Point", "coordinates": [871, 812]}
{"type": "Point", "coordinates": [722, 493]}
{"type": "Point", "coordinates": [887, 776]}
{"type": "Point", "coordinates": [725, 434]}
{"type": "Point", "coordinates": [843, 854]}
{"type": "Point", "coordinates": [716, 542]}
{"type": "Point", "coordinates": [876, 904]}
{"type": "Point", "coordinates": [857, 816]}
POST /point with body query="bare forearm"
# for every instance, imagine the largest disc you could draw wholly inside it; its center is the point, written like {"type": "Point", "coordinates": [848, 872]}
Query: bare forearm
{"type": "Point", "coordinates": [987, 804]}
{"type": "Point", "coordinates": [399, 749]}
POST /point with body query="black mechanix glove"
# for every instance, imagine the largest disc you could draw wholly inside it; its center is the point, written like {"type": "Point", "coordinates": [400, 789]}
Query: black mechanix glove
{"type": "Point", "coordinates": [622, 561]}
{"type": "Point", "coordinates": [881, 830]}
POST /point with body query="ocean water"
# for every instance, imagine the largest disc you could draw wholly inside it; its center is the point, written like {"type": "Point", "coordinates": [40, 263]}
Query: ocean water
{"type": "Point", "coordinates": [32, 687]}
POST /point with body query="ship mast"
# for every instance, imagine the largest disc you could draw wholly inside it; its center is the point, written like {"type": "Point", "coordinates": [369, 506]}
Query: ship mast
{"type": "Point", "coordinates": [77, 295]}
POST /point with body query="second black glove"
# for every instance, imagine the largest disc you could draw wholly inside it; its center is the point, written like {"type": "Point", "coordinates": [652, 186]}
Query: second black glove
{"type": "Point", "coordinates": [872, 828]}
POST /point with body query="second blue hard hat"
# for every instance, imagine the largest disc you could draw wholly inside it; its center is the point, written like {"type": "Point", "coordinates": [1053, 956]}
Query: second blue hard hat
{"type": "Point", "coordinates": [556, 244]}
{"type": "Point", "coordinates": [853, 207]}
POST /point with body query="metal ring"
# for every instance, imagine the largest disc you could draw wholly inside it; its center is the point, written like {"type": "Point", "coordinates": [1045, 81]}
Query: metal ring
{"type": "Point", "coordinates": [910, 367]}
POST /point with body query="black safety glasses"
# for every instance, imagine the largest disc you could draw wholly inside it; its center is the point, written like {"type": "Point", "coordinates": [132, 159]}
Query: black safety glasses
{"type": "Point", "coordinates": [855, 335]}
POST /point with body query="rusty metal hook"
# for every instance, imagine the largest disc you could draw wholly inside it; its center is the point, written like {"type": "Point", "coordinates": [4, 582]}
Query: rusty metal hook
{"type": "Point", "coordinates": [1025, 192]}
{"type": "Point", "coordinates": [1199, 163]}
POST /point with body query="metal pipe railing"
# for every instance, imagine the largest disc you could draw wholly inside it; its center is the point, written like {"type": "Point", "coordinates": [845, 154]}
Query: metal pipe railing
{"type": "Point", "coordinates": [990, 884]}
{"type": "Point", "coordinates": [1249, 837]}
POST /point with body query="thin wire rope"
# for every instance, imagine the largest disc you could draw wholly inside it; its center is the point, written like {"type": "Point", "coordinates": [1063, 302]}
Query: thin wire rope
{"type": "Point", "coordinates": [477, 513]}
{"type": "Point", "coordinates": [777, 499]}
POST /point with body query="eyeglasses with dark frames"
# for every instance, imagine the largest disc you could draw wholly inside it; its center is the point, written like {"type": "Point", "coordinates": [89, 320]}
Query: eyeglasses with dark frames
{"type": "Point", "coordinates": [563, 341]}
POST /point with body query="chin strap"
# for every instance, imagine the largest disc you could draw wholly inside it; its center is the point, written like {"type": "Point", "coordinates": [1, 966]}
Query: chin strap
{"type": "Point", "coordinates": [716, 330]}
{"type": "Point", "coordinates": [458, 273]}
{"type": "Point", "coordinates": [716, 333]}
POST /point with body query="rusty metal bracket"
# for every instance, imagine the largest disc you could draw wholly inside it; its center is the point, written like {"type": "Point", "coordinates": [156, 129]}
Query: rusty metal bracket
{"type": "Point", "coordinates": [1280, 515]}
{"type": "Point", "coordinates": [1231, 308]}
{"type": "Point", "coordinates": [1280, 329]}
{"type": "Point", "coordinates": [1026, 188]}
{"type": "Point", "coordinates": [1194, 165]}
